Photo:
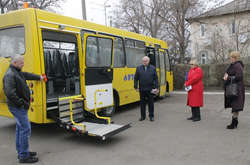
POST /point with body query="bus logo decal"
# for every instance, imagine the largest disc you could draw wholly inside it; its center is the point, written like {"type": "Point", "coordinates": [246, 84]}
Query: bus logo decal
{"type": "Point", "coordinates": [128, 77]}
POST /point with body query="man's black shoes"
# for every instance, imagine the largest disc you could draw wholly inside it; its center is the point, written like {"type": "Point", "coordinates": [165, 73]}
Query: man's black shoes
{"type": "Point", "coordinates": [31, 154]}
{"type": "Point", "coordinates": [29, 159]}
{"type": "Point", "coordinates": [151, 119]}
{"type": "Point", "coordinates": [141, 119]}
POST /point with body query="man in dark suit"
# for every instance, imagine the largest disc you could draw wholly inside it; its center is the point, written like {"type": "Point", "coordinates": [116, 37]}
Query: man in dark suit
{"type": "Point", "coordinates": [148, 85]}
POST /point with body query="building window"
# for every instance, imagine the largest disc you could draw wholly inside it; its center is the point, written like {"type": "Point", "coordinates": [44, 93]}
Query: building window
{"type": "Point", "coordinates": [203, 58]}
{"type": "Point", "coordinates": [203, 29]}
{"type": "Point", "coordinates": [233, 27]}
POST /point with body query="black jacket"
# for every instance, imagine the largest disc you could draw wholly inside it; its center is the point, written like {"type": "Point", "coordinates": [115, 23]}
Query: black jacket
{"type": "Point", "coordinates": [16, 88]}
{"type": "Point", "coordinates": [148, 80]}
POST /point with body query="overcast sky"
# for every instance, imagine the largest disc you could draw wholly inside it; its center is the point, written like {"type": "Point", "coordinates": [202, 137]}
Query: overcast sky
{"type": "Point", "coordinates": [94, 8]}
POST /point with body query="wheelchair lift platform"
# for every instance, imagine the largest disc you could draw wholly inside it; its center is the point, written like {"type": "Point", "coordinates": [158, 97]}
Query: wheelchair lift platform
{"type": "Point", "coordinates": [103, 131]}
{"type": "Point", "coordinates": [72, 116]}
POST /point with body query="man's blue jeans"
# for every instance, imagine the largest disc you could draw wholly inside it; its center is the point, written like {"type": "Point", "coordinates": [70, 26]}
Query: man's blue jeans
{"type": "Point", "coordinates": [23, 131]}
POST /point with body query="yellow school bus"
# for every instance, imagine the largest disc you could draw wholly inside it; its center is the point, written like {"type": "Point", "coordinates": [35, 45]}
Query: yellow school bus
{"type": "Point", "coordinates": [89, 67]}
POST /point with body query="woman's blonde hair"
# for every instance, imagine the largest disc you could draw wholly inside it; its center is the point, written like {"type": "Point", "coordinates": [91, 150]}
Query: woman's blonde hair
{"type": "Point", "coordinates": [235, 55]}
{"type": "Point", "coordinates": [194, 62]}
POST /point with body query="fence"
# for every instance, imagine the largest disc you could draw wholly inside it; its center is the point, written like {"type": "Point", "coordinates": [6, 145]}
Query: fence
{"type": "Point", "coordinates": [213, 74]}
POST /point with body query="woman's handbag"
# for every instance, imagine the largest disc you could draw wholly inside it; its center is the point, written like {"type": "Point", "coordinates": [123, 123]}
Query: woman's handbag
{"type": "Point", "coordinates": [231, 89]}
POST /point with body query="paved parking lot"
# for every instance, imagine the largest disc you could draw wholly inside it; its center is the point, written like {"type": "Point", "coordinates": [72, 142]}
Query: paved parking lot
{"type": "Point", "coordinates": [170, 140]}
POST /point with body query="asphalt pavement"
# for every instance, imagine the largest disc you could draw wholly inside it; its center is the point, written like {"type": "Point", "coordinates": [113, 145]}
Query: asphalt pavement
{"type": "Point", "coordinates": [169, 140]}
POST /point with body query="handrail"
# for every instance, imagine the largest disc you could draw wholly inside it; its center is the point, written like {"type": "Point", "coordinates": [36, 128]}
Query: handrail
{"type": "Point", "coordinates": [71, 115]}
{"type": "Point", "coordinates": [71, 99]}
{"type": "Point", "coordinates": [96, 114]}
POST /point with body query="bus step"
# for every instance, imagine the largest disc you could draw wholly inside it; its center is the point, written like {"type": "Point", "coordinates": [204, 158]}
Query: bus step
{"type": "Point", "coordinates": [102, 131]}
{"type": "Point", "coordinates": [52, 108]}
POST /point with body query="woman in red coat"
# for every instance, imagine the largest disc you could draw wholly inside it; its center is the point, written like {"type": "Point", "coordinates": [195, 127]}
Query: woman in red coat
{"type": "Point", "coordinates": [194, 86]}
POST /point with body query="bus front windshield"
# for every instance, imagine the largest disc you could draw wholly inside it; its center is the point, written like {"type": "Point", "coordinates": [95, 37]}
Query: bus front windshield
{"type": "Point", "coordinates": [12, 42]}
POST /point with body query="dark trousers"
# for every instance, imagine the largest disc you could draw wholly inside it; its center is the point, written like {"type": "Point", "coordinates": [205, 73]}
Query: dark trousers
{"type": "Point", "coordinates": [147, 97]}
{"type": "Point", "coordinates": [23, 131]}
{"type": "Point", "coordinates": [196, 112]}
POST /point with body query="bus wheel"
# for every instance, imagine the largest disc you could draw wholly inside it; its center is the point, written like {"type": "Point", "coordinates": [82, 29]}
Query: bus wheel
{"type": "Point", "coordinates": [109, 111]}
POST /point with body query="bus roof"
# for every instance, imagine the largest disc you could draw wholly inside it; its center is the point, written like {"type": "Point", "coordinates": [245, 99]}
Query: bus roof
{"type": "Point", "coordinates": [54, 18]}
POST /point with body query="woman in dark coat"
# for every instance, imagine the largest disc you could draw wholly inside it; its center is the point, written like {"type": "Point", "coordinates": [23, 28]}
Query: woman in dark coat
{"type": "Point", "coordinates": [234, 73]}
{"type": "Point", "coordinates": [195, 94]}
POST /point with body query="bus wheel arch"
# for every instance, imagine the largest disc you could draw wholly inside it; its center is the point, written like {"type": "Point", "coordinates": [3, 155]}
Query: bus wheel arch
{"type": "Point", "coordinates": [116, 100]}
{"type": "Point", "coordinates": [167, 87]}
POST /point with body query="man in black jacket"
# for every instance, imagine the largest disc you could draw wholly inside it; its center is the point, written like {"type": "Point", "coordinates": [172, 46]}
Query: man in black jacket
{"type": "Point", "coordinates": [18, 99]}
{"type": "Point", "coordinates": [148, 84]}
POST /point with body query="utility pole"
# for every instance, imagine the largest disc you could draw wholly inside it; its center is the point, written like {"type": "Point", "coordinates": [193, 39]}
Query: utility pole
{"type": "Point", "coordinates": [84, 16]}
{"type": "Point", "coordinates": [105, 10]}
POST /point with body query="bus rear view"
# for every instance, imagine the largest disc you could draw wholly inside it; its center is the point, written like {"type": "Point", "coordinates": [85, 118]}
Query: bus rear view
{"type": "Point", "coordinates": [57, 54]}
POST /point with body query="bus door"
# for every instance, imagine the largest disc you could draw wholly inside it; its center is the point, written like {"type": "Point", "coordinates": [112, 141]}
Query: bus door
{"type": "Point", "coordinates": [162, 79]}
{"type": "Point", "coordinates": [152, 56]}
{"type": "Point", "coordinates": [98, 52]}
{"type": "Point", "coordinates": [169, 72]}
{"type": "Point", "coordinates": [61, 64]}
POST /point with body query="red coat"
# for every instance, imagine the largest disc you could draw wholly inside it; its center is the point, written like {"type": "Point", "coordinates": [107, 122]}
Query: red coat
{"type": "Point", "coordinates": [195, 95]}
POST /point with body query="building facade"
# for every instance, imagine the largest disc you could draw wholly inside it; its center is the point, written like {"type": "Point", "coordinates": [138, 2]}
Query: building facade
{"type": "Point", "coordinates": [214, 34]}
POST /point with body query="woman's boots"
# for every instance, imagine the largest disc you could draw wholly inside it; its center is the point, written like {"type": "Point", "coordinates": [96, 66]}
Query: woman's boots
{"type": "Point", "coordinates": [196, 116]}
{"type": "Point", "coordinates": [234, 123]}
{"type": "Point", "coordinates": [191, 118]}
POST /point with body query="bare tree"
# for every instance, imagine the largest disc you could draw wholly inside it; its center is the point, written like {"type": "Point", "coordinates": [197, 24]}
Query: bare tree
{"type": "Point", "coordinates": [164, 19]}
{"type": "Point", "coordinates": [130, 12]}
{"type": "Point", "coordinates": [240, 40]}
{"type": "Point", "coordinates": [177, 27]}
{"type": "Point", "coordinates": [221, 45]}
{"type": "Point", "coordinates": [3, 4]}
{"type": "Point", "coordinates": [40, 4]}
{"type": "Point", "coordinates": [44, 4]}
{"type": "Point", "coordinates": [152, 23]}
{"type": "Point", "coordinates": [141, 16]}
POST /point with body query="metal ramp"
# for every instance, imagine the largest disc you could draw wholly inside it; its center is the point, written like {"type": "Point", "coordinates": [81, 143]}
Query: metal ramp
{"type": "Point", "coordinates": [72, 116]}
{"type": "Point", "coordinates": [102, 130]}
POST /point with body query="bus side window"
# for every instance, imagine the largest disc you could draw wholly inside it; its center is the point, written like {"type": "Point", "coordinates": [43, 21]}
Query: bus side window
{"type": "Point", "coordinates": [98, 52]}
{"type": "Point", "coordinates": [167, 63]}
{"type": "Point", "coordinates": [157, 59]}
{"type": "Point", "coordinates": [58, 64]}
{"type": "Point", "coordinates": [119, 56]}
{"type": "Point", "coordinates": [153, 55]}
{"type": "Point", "coordinates": [71, 63]}
{"type": "Point", "coordinates": [91, 59]}
{"type": "Point", "coordinates": [61, 64]}
{"type": "Point", "coordinates": [135, 51]}
{"type": "Point", "coordinates": [46, 61]}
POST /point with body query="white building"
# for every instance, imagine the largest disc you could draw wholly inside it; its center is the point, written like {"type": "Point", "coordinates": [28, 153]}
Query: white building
{"type": "Point", "coordinates": [214, 34]}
